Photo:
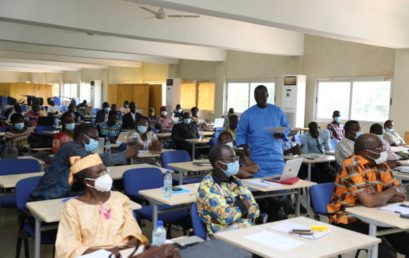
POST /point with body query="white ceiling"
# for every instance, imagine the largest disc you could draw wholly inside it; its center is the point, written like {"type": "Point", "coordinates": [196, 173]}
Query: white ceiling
{"type": "Point", "coordinates": [60, 35]}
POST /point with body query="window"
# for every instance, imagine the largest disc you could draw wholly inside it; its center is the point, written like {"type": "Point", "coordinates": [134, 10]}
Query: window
{"type": "Point", "coordinates": [362, 100]}
{"type": "Point", "coordinates": [85, 92]}
{"type": "Point", "coordinates": [70, 90]}
{"type": "Point", "coordinates": [198, 94]}
{"type": "Point", "coordinates": [240, 95]}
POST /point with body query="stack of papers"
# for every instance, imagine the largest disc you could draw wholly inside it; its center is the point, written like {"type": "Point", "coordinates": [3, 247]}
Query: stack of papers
{"type": "Point", "coordinates": [261, 183]}
{"type": "Point", "coordinates": [272, 240]}
{"type": "Point", "coordinates": [279, 129]}
{"type": "Point", "coordinates": [403, 169]}
{"type": "Point", "coordinates": [398, 207]}
{"type": "Point", "coordinates": [404, 162]}
{"type": "Point", "coordinates": [287, 227]}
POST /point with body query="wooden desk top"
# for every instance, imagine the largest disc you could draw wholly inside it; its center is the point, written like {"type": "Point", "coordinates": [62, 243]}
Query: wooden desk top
{"type": "Point", "coordinates": [150, 154]}
{"type": "Point", "coordinates": [313, 159]}
{"type": "Point", "coordinates": [116, 172]}
{"type": "Point", "coordinates": [300, 184]}
{"type": "Point", "coordinates": [198, 141]}
{"type": "Point", "coordinates": [164, 135]}
{"type": "Point", "coordinates": [49, 211]}
{"type": "Point", "coordinates": [189, 166]}
{"type": "Point", "coordinates": [10, 181]}
{"type": "Point", "coordinates": [156, 195]}
{"type": "Point", "coordinates": [381, 217]}
{"type": "Point", "coordinates": [338, 241]}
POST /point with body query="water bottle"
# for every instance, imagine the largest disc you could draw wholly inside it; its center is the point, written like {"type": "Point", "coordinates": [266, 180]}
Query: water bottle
{"type": "Point", "coordinates": [167, 184]}
{"type": "Point", "coordinates": [107, 147]}
{"type": "Point", "coordinates": [158, 234]}
{"type": "Point", "coordinates": [201, 135]}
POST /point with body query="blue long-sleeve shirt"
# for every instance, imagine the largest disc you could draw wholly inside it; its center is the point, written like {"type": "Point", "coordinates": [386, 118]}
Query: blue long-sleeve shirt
{"type": "Point", "coordinates": [265, 150]}
{"type": "Point", "coordinates": [54, 183]}
{"type": "Point", "coordinates": [316, 145]}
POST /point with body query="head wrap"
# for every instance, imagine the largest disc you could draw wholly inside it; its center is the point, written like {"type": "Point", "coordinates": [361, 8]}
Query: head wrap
{"type": "Point", "coordinates": [78, 164]}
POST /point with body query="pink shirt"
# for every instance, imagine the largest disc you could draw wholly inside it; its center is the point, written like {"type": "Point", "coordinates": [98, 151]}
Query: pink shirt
{"type": "Point", "coordinates": [166, 122]}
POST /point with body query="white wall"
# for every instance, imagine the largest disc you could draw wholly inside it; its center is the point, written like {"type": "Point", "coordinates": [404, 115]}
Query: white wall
{"type": "Point", "coordinates": [8, 76]}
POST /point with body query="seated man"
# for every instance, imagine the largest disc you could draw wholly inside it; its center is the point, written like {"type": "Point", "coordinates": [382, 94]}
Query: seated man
{"type": "Point", "coordinates": [111, 129]}
{"type": "Point", "coordinates": [185, 130]}
{"type": "Point", "coordinates": [65, 135]}
{"type": "Point", "coordinates": [16, 137]}
{"type": "Point", "coordinates": [378, 130]}
{"type": "Point", "coordinates": [102, 115]}
{"type": "Point", "coordinates": [223, 202]}
{"type": "Point", "coordinates": [391, 135]}
{"type": "Point", "coordinates": [130, 119]}
{"type": "Point", "coordinates": [335, 127]}
{"type": "Point", "coordinates": [200, 122]}
{"type": "Point", "coordinates": [345, 146]}
{"type": "Point", "coordinates": [366, 180]}
{"type": "Point", "coordinates": [97, 218]}
{"type": "Point", "coordinates": [316, 140]}
{"type": "Point", "coordinates": [232, 125]}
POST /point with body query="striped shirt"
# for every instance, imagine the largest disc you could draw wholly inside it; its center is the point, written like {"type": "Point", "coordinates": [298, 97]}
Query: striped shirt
{"type": "Point", "coordinates": [345, 149]}
{"type": "Point", "coordinates": [356, 176]}
{"type": "Point", "coordinates": [337, 130]}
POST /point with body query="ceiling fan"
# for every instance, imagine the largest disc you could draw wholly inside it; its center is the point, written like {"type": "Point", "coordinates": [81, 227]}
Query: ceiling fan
{"type": "Point", "coordinates": [160, 14]}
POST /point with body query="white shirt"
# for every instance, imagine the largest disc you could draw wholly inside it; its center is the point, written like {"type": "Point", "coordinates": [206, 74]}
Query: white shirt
{"type": "Point", "coordinates": [150, 137]}
{"type": "Point", "coordinates": [393, 138]}
{"type": "Point", "coordinates": [345, 148]}
{"type": "Point", "coordinates": [53, 109]}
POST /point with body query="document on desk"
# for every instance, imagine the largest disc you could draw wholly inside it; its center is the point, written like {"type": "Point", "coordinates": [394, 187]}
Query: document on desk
{"type": "Point", "coordinates": [261, 183]}
{"type": "Point", "coordinates": [286, 227]}
{"type": "Point", "coordinates": [279, 129]}
{"type": "Point", "coordinates": [404, 162]}
{"type": "Point", "coordinates": [270, 239]}
{"type": "Point", "coordinates": [398, 207]}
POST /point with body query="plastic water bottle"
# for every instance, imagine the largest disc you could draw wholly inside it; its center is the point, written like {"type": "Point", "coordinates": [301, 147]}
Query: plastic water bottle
{"type": "Point", "coordinates": [107, 147]}
{"type": "Point", "coordinates": [167, 184]}
{"type": "Point", "coordinates": [201, 135]}
{"type": "Point", "coordinates": [158, 234]}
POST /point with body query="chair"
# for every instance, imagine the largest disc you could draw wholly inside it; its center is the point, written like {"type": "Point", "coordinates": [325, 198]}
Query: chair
{"type": "Point", "coordinates": [320, 197]}
{"type": "Point", "coordinates": [139, 179]}
{"type": "Point", "coordinates": [15, 166]}
{"type": "Point", "coordinates": [94, 111]}
{"type": "Point", "coordinates": [199, 227]}
{"type": "Point", "coordinates": [297, 138]}
{"type": "Point", "coordinates": [333, 144]}
{"type": "Point", "coordinates": [63, 108]}
{"type": "Point", "coordinates": [41, 128]}
{"type": "Point", "coordinates": [24, 187]}
{"type": "Point", "coordinates": [214, 141]}
{"type": "Point", "coordinates": [178, 156]}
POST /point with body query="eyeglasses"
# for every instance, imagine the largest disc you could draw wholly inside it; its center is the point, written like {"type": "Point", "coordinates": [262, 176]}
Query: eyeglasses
{"type": "Point", "coordinates": [92, 137]}
{"type": "Point", "coordinates": [232, 159]}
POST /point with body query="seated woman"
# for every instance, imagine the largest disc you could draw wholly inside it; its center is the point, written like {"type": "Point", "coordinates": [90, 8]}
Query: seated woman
{"type": "Point", "coordinates": [111, 128]}
{"type": "Point", "coordinates": [247, 167]}
{"type": "Point", "coordinates": [147, 140]}
{"type": "Point", "coordinates": [16, 137]}
{"type": "Point", "coordinates": [34, 114]}
{"type": "Point", "coordinates": [164, 120]}
{"type": "Point", "coordinates": [97, 218]}
{"type": "Point", "coordinates": [66, 134]}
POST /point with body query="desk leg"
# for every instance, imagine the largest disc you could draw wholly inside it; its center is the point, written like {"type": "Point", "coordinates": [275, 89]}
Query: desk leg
{"type": "Point", "coordinates": [193, 151]}
{"type": "Point", "coordinates": [297, 203]}
{"type": "Point", "coordinates": [181, 177]}
{"type": "Point", "coordinates": [37, 240]}
{"type": "Point", "coordinates": [373, 252]}
{"type": "Point", "coordinates": [155, 215]}
{"type": "Point", "coordinates": [307, 190]}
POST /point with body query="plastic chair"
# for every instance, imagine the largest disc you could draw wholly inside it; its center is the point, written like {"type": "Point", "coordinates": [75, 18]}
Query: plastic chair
{"type": "Point", "coordinates": [320, 197]}
{"type": "Point", "coordinates": [94, 111]}
{"type": "Point", "coordinates": [41, 128]}
{"type": "Point", "coordinates": [63, 108]}
{"type": "Point", "coordinates": [178, 156]}
{"type": "Point", "coordinates": [199, 227]}
{"type": "Point", "coordinates": [15, 166]}
{"type": "Point", "coordinates": [139, 179]}
{"type": "Point", "coordinates": [24, 187]}
{"type": "Point", "coordinates": [333, 144]}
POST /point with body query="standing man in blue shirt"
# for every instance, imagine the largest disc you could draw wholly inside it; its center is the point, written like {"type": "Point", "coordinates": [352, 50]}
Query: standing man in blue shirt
{"type": "Point", "coordinates": [265, 149]}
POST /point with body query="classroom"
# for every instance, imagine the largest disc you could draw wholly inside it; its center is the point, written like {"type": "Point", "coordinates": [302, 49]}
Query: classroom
{"type": "Point", "coordinates": [180, 128]}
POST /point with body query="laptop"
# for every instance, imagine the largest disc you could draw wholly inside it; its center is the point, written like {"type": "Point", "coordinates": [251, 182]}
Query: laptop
{"type": "Point", "coordinates": [290, 172]}
{"type": "Point", "coordinates": [218, 123]}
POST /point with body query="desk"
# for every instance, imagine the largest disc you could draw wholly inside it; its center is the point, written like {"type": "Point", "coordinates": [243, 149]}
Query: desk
{"type": "Point", "coordinates": [10, 181]}
{"type": "Point", "coordinates": [150, 154]}
{"type": "Point", "coordinates": [194, 142]}
{"type": "Point", "coordinates": [116, 172]}
{"type": "Point", "coordinates": [183, 167]}
{"type": "Point", "coordinates": [164, 135]}
{"type": "Point", "coordinates": [156, 198]}
{"type": "Point", "coordinates": [49, 211]}
{"type": "Point", "coordinates": [290, 189]}
{"type": "Point", "coordinates": [376, 217]}
{"type": "Point", "coordinates": [338, 241]}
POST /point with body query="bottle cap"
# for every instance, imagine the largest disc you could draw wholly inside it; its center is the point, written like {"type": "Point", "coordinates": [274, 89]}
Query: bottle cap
{"type": "Point", "coordinates": [159, 223]}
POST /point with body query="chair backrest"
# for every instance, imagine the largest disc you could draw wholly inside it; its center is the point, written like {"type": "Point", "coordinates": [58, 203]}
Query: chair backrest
{"type": "Point", "coordinates": [42, 128]}
{"type": "Point", "coordinates": [333, 144]}
{"type": "Point", "coordinates": [297, 138]}
{"type": "Point", "coordinates": [173, 157]}
{"type": "Point", "coordinates": [95, 111]}
{"type": "Point", "coordinates": [19, 166]}
{"type": "Point", "coordinates": [24, 187]}
{"type": "Point", "coordinates": [199, 227]}
{"type": "Point", "coordinates": [320, 197]}
{"type": "Point", "coordinates": [141, 179]}
{"type": "Point", "coordinates": [63, 108]}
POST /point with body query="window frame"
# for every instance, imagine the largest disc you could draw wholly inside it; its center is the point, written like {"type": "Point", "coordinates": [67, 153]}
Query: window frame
{"type": "Point", "coordinates": [249, 82]}
{"type": "Point", "coordinates": [351, 81]}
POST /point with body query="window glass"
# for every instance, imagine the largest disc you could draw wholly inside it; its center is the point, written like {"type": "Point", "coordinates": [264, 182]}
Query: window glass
{"type": "Point", "coordinates": [238, 96]}
{"type": "Point", "coordinates": [333, 96]}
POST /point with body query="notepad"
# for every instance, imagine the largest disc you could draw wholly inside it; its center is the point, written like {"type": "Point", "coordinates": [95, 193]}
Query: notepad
{"type": "Point", "coordinates": [270, 239]}
{"type": "Point", "coordinates": [286, 227]}
{"type": "Point", "coordinates": [261, 183]}
{"type": "Point", "coordinates": [396, 207]}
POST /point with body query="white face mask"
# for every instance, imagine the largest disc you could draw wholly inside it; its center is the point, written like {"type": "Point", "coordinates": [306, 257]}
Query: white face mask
{"type": "Point", "coordinates": [383, 157]}
{"type": "Point", "coordinates": [359, 133]}
{"type": "Point", "coordinates": [102, 183]}
{"type": "Point", "coordinates": [164, 113]}
{"type": "Point", "coordinates": [230, 144]}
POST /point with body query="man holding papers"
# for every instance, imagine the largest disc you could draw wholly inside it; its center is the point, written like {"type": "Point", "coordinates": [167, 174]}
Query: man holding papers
{"type": "Point", "coordinates": [365, 179]}
{"type": "Point", "coordinates": [252, 134]}
{"type": "Point", "coordinates": [223, 202]}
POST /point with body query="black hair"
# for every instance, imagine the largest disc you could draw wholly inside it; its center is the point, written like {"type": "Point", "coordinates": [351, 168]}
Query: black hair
{"type": "Point", "coordinates": [194, 108]}
{"type": "Point", "coordinates": [105, 104]}
{"type": "Point", "coordinates": [376, 129]}
{"type": "Point", "coordinates": [185, 114]}
{"type": "Point", "coordinates": [387, 122]}
{"type": "Point", "coordinates": [260, 87]}
{"type": "Point", "coordinates": [126, 102]}
{"type": "Point", "coordinates": [349, 124]}
{"type": "Point", "coordinates": [82, 129]}
{"type": "Point", "coordinates": [16, 116]}
{"type": "Point", "coordinates": [336, 112]}
{"type": "Point", "coordinates": [224, 133]}
{"type": "Point", "coordinates": [17, 108]}
{"type": "Point", "coordinates": [216, 152]}
{"type": "Point", "coordinates": [78, 185]}
{"type": "Point", "coordinates": [65, 116]}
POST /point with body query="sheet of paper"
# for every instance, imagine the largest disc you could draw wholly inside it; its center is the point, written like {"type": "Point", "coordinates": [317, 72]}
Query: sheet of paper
{"type": "Point", "coordinates": [399, 148]}
{"type": "Point", "coordinates": [404, 162]}
{"type": "Point", "coordinates": [218, 123]}
{"type": "Point", "coordinates": [261, 183]}
{"type": "Point", "coordinates": [102, 253]}
{"type": "Point", "coordinates": [286, 227]}
{"type": "Point", "coordinates": [279, 129]}
{"type": "Point", "coordinates": [270, 239]}
{"type": "Point", "coordinates": [396, 207]}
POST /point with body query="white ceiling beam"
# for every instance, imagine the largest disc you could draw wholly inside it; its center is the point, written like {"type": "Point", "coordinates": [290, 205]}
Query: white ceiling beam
{"type": "Point", "coordinates": [126, 20]}
{"type": "Point", "coordinates": [381, 22]}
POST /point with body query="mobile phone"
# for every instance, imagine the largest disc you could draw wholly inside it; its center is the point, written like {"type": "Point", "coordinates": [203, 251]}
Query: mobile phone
{"type": "Point", "coordinates": [404, 205]}
{"type": "Point", "coordinates": [302, 232]}
{"type": "Point", "coordinates": [404, 216]}
{"type": "Point", "coordinates": [176, 188]}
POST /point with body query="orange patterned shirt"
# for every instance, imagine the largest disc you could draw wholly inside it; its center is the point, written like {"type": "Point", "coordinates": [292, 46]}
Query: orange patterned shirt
{"type": "Point", "coordinates": [357, 176]}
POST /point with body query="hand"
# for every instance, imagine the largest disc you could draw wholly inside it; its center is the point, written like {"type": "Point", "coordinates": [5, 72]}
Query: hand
{"type": "Point", "coordinates": [296, 150]}
{"type": "Point", "coordinates": [155, 147]}
{"type": "Point", "coordinates": [115, 251]}
{"type": "Point", "coordinates": [132, 151]}
{"type": "Point", "coordinates": [277, 135]}
{"type": "Point", "coordinates": [399, 197]}
{"type": "Point", "coordinates": [247, 203]}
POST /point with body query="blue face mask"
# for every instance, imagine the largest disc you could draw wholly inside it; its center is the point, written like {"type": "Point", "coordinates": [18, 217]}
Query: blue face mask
{"type": "Point", "coordinates": [92, 146]}
{"type": "Point", "coordinates": [232, 168]}
{"type": "Point", "coordinates": [70, 127]}
{"type": "Point", "coordinates": [19, 126]}
{"type": "Point", "coordinates": [142, 128]}
{"type": "Point", "coordinates": [107, 109]}
{"type": "Point", "coordinates": [337, 119]}
{"type": "Point", "coordinates": [187, 121]}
